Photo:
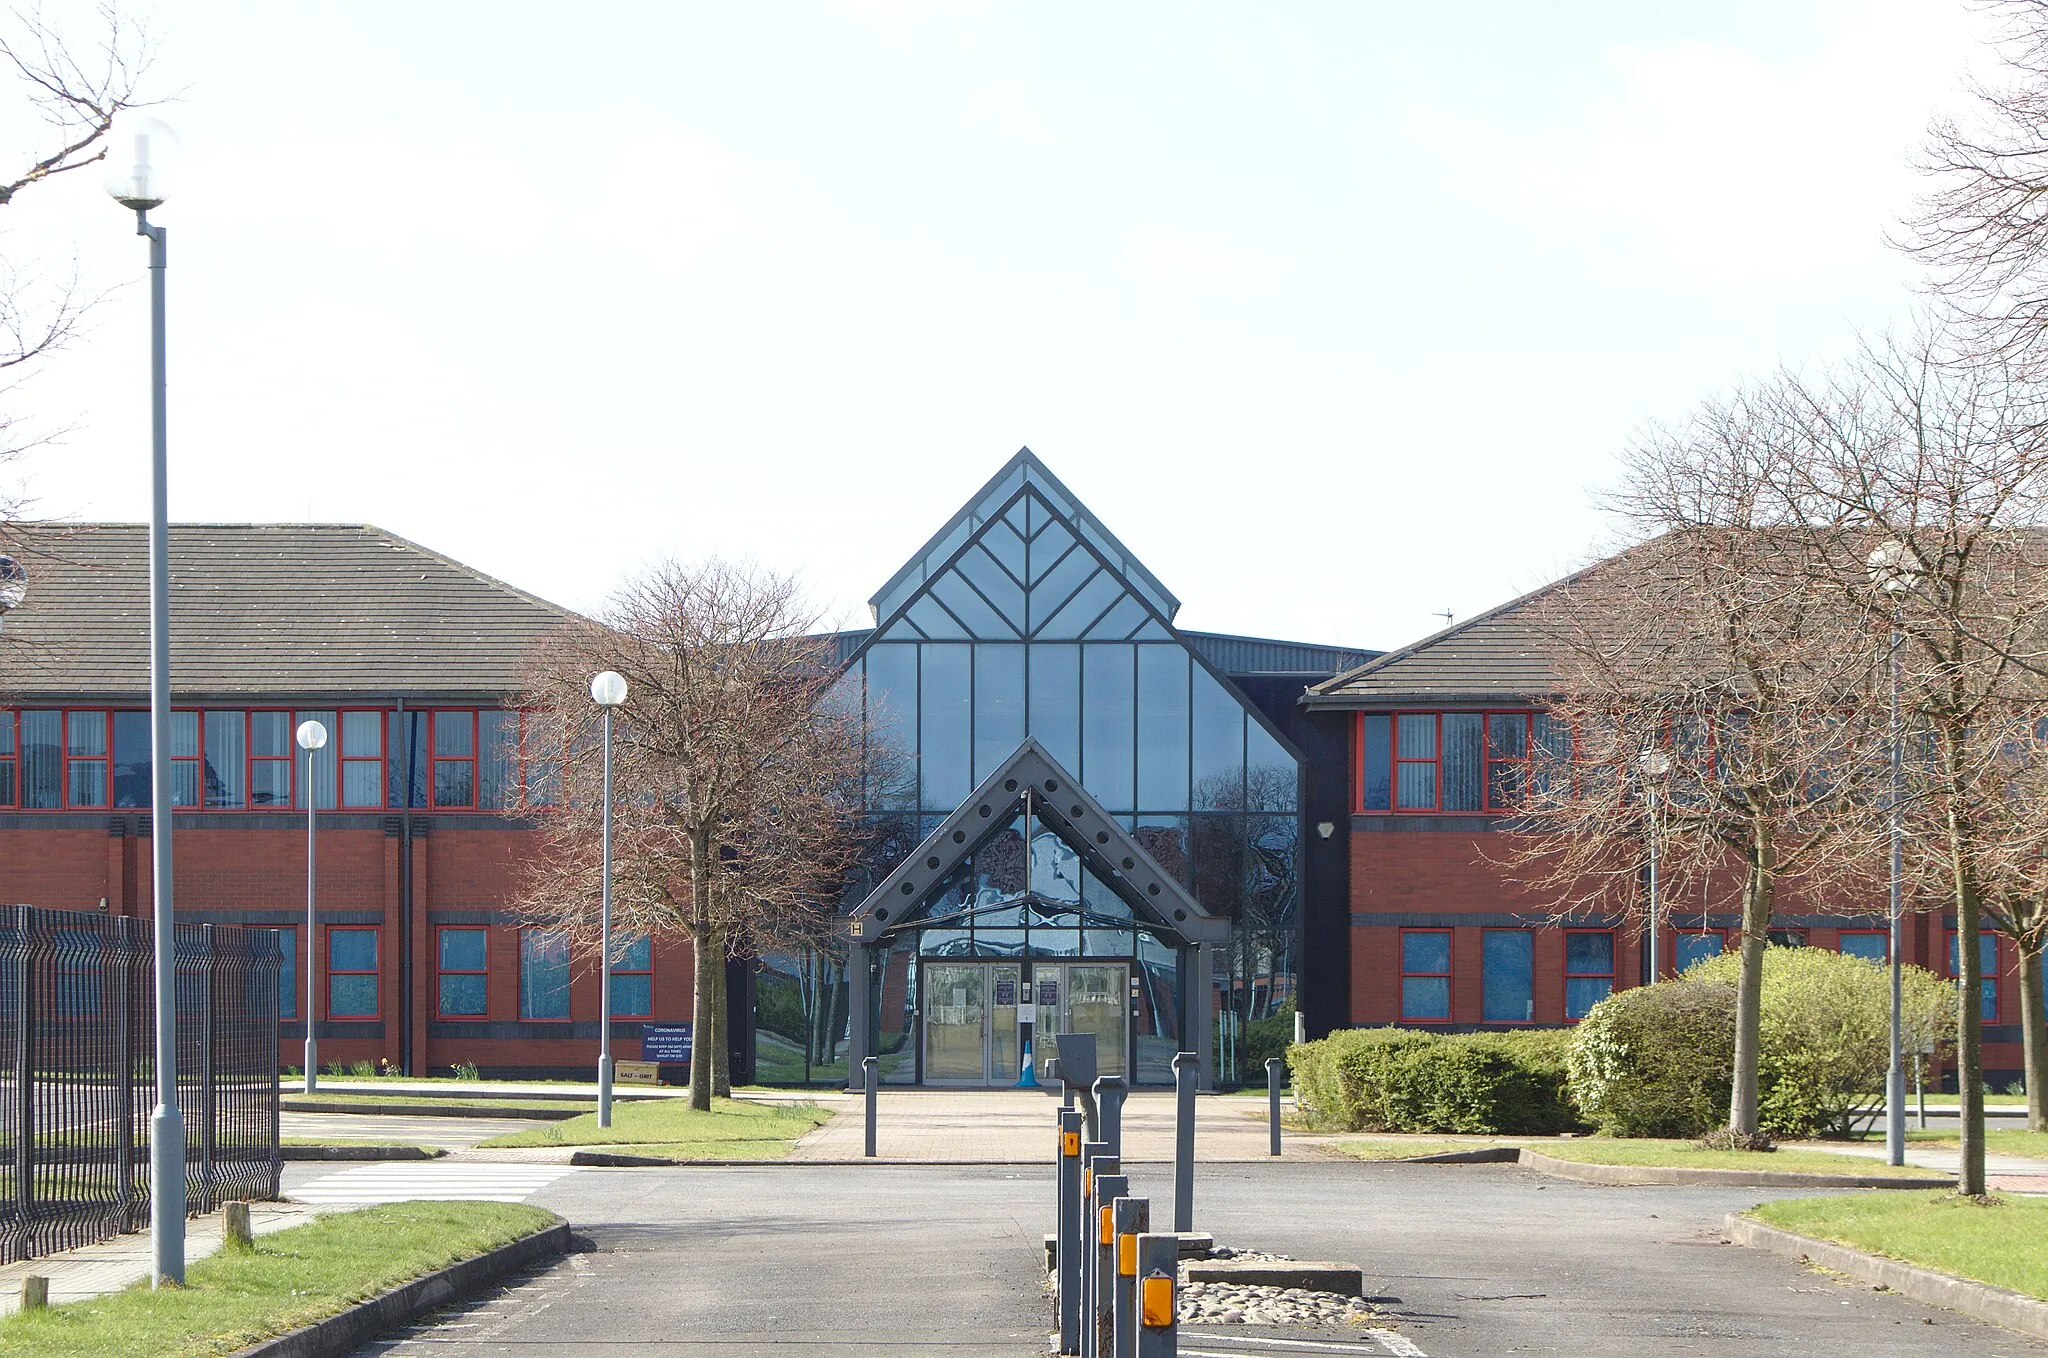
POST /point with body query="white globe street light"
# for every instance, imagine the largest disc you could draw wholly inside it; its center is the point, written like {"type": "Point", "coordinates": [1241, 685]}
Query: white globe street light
{"type": "Point", "coordinates": [1893, 572]}
{"type": "Point", "coordinates": [1654, 765]}
{"type": "Point", "coordinates": [140, 154]}
{"type": "Point", "coordinates": [312, 736]}
{"type": "Point", "coordinates": [608, 691]}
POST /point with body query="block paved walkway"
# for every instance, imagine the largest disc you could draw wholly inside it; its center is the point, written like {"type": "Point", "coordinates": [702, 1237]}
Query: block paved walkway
{"type": "Point", "coordinates": [1016, 1126]}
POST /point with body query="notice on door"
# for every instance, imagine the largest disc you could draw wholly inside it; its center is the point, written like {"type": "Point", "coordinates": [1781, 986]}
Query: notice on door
{"type": "Point", "coordinates": [1006, 993]}
{"type": "Point", "coordinates": [1049, 993]}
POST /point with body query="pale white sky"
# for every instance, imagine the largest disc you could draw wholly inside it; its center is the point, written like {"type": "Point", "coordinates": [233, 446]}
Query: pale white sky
{"type": "Point", "coordinates": [1335, 313]}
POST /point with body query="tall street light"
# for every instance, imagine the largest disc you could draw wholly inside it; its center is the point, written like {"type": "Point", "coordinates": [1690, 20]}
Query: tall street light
{"type": "Point", "coordinates": [312, 737]}
{"type": "Point", "coordinates": [137, 149]}
{"type": "Point", "coordinates": [608, 691]}
{"type": "Point", "coordinates": [1892, 572]}
{"type": "Point", "coordinates": [1654, 764]}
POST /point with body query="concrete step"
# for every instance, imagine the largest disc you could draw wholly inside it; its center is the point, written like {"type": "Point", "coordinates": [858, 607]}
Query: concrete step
{"type": "Point", "coordinates": [1313, 1275]}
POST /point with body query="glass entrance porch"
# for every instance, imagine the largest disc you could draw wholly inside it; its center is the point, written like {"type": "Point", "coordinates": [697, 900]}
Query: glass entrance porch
{"type": "Point", "coordinates": [975, 1014]}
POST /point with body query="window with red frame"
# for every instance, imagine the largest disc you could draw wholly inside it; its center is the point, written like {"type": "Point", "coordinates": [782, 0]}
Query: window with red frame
{"type": "Point", "coordinates": [362, 759]}
{"type": "Point", "coordinates": [454, 745]}
{"type": "Point", "coordinates": [633, 980]}
{"type": "Point", "coordinates": [270, 759]}
{"type": "Point", "coordinates": [1425, 974]}
{"type": "Point", "coordinates": [87, 774]}
{"type": "Point", "coordinates": [462, 985]}
{"type": "Point", "coordinates": [8, 760]}
{"type": "Point", "coordinates": [1872, 944]}
{"type": "Point", "coordinates": [1987, 969]}
{"type": "Point", "coordinates": [351, 972]}
{"type": "Point", "coordinates": [1588, 970]}
{"type": "Point", "coordinates": [1442, 761]}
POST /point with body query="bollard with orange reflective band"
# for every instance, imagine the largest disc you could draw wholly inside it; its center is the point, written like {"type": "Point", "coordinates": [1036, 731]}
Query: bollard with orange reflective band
{"type": "Point", "coordinates": [1130, 1218]}
{"type": "Point", "coordinates": [1096, 1161]}
{"type": "Point", "coordinates": [1068, 1253]}
{"type": "Point", "coordinates": [1109, 1186]}
{"type": "Point", "coordinates": [1158, 1266]}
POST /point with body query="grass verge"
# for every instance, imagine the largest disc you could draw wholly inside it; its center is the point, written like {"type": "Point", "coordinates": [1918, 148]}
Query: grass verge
{"type": "Point", "coordinates": [732, 1129]}
{"type": "Point", "coordinates": [1686, 1155]}
{"type": "Point", "coordinates": [2001, 1140]}
{"type": "Point", "coordinates": [291, 1278]}
{"type": "Point", "coordinates": [370, 1102]}
{"type": "Point", "coordinates": [1404, 1148]}
{"type": "Point", "coordinates": [353, 1143]}
{"type": "Point", "coordinates": [2003, 1242]}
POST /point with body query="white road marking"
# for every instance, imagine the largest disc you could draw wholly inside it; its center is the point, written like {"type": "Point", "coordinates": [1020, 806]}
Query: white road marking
{"type": "Point", "coordinates": [430, 1181]}
{"type": "Point", "coordinates": [1320, 1345]}
{"type": "Point", "coordinates": [1398, 1344]}
{"type": "Point", "coordinates": [1255, 1346]}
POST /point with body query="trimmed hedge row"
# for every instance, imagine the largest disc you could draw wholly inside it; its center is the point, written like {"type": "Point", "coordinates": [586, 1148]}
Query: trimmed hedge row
{"type": "Point", "coordinates": [1403, 1080]}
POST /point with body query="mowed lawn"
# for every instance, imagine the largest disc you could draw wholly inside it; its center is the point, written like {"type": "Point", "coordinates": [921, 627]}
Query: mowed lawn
{"type": "Point", "coordinates": [2000, 1240]}
{"type": "Point", "coordinates": [1600, 1150]}
{"type": "Point", "coordinates": [1999, 1140]}
{"type": "Point", "coordinates": [733, 1129]}
{"type": "Point", "coordinates": [291, 1278]}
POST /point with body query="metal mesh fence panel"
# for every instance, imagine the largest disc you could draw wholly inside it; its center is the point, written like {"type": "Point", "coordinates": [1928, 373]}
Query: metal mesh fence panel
{"type": "Point", "coordinates": [78, 1080]}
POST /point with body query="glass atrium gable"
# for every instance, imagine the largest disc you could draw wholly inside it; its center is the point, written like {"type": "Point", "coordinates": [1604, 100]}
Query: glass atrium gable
{"type": "Point", "coordinates": [1026, 617]}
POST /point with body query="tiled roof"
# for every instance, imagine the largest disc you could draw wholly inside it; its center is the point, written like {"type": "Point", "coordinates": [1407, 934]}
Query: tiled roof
{"type": "Point", "coordinates": [281, 609]}
{"type": "Point", "coordinates": [1498, 656]}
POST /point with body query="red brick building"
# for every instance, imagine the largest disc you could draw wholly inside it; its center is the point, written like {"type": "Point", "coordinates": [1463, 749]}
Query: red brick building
{"type": "Point", "coordinates": [1442, 936]}
{"type": "Point", "coordinates": [409, 659]}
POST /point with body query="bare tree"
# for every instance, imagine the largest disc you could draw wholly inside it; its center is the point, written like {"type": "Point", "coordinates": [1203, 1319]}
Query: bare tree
{"type": "Point", "coordinates": [1701, 671]}
{"type": "Point", "coordinates": [736, 779]}
{"type": "Point", "coordinates": [1934, 454]}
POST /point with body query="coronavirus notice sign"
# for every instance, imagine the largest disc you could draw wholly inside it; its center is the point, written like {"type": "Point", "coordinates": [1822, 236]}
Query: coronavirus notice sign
{"type": "Point", "coordinates": [665, 1042]}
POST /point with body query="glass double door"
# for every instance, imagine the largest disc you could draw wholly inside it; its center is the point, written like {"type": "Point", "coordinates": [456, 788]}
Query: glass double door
{"type": "Point", "coordinates": [972, 1014]}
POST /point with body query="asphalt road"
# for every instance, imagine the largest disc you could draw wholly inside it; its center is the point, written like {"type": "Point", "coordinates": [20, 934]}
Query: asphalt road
{"type": "Point", "coordinates": [1466, 1262]}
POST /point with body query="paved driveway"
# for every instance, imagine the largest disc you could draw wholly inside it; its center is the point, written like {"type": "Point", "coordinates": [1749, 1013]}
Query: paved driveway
{"type": "Point", "coordinates": [801, 1261]}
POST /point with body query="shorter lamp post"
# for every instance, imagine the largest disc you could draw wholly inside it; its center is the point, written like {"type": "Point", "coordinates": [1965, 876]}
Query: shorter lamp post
{"type": "Point", "coordinates": [608, 691]}
{"type": "Point", "coordinates": [312, 737]}
{"type": "Point", "coordinates": [1654, 764]}
{"type": "Point", "coordinates": [1893, 574]}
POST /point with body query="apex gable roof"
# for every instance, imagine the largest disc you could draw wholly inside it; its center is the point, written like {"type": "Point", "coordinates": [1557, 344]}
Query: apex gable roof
{"type": "Point", "coordinates": [271, 609]}
{"type": "Point", "coordinates": [1500, 655]}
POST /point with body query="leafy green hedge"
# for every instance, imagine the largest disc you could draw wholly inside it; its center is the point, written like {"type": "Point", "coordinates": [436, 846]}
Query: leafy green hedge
{"type": "Point", "coordinates": [1402, 1080]}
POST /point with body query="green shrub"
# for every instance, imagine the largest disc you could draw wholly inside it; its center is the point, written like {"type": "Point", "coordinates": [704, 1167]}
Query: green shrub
{"type": "Point", "coordinates": [1402, 1080]}
{"type": "Point", "coordinates": [1659, 1060]}
{"type": "Point", "coordinates": [1267, 1037]}
{"type": "Point", "coordinates": [1656, 1060]}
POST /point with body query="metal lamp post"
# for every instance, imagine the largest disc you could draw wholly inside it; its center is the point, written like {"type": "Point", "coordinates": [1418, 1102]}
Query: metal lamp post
{"type": "Point", "coordinates": [312, 737]}
{"type": "Point", "coordinates": [137, 149]}
{"type": "Point", "coordinates": [1892, 573]}
{"type": "Point", "coordinates": [1654, 764]}
{"type": "Point", "coordinates": [608, 691]}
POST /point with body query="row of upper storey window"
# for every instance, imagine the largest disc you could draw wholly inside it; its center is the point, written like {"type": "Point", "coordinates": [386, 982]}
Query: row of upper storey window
{"type": "Point", "coordinates": [233, 759]}
{"type": "Point", "coordinates": [1449, 761]}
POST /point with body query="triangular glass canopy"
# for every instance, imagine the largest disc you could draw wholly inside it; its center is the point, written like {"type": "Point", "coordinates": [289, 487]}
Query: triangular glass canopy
{"type": "Point", "coordinates": [1082, 870]}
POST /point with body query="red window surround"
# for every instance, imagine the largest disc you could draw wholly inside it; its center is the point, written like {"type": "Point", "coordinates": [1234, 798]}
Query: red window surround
{"type": "Point", "coordinates": [1459, 762]}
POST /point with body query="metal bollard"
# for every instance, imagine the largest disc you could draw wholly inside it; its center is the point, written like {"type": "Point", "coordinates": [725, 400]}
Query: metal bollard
{"type": "Point", "coordinates": [870, 1076]}
{"type": "Point", "coordinates": [1109, 1096]}
{"type": "Point", "coordinates": [1069, 1283]}
{"type": "Point", "coordinates": [1184, 1066]}
{"type": "Point", "coordinates": [1095, 1158]}
{"type": "Point", "coordinates": [1158, 1296]}
{"type": "Point", "coordinates": [1129, 1218]}
{"type": "Point", "coordinates": [1108, 1188]}
{"type": "Point", "coordinates": [1274, 1075]}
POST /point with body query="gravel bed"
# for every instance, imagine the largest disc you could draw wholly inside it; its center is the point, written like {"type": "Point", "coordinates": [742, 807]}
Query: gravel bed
{"type": "Point", "coordinates": [1237, 1304]}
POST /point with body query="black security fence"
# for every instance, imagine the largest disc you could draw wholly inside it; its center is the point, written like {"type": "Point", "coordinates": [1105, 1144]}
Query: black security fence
{"type": "Point", "coordinates": [78, 1072]}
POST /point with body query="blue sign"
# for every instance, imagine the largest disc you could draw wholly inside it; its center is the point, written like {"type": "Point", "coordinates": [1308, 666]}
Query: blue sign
{"type": "Point", "coordinates": [665, 1041]}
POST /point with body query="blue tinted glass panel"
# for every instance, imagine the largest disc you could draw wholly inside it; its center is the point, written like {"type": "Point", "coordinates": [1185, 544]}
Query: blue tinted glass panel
{"type": "Point", "coordinates": [1691, 948]}
{"type": "Point", "coordinates": [42, 758]}
{"type": "Point", "coordinates": [636, 956]}
{"type": "Point", "coordinates": [934, 621]}
{"type": "Point", "coordinates": [632, 996]}
{"type": "Point", "coordinates": [1589, 954]}
{"type": "Point", "coordinates": [361, 735]}
{"type": "Point", "coordinates": [961, 600]}
{"type": "Point", "coordinates": [464, 996]}
{"type": "Point", "coordinates": [226, 757]}
{"type": "Point", "coordinates": [944, 727]}
{"type": "Point", "coordinates": [325, 775]}
{"type": "Point", "coordinates": [287, 973]}
{"type": "Point", "coordinates": [1418, 735]}
{"type": "Point", "coordinates": [497, 765]}
{"type": "Point", "coordinates": [1417, 784]}
{"type": "Point", "coordinates": [1108, 724]}
{"type": "Point", "coordinates": [270, 734]}
{"type": "Point", "coordinates": [1059, 579]}
{"type": "Point", "coordinates": [1375, 771]}
{"type": "Point", "coordinates": [892, 725]}
{"type": "Point", "coordinates": [543, 975]}
{"type": "Point", "coordinates": [1123, 619]}
{"type": "Point", "coordinates": [88, 783]}
{"type": "Point", "coordinates": [1425, 997]}
{"type": "Point", "coordinates": [1005, 543]}
{"type": "Point", "coordinates": [1507, 735]}
{"type": "Point", "coordinates": [1056, 701]}
{"type": "Point", "coordinates": [1162, 728]}
{"type": "Point", "coordinates": [85, 734]}
{"type": "Point", "coordinates": [1872, 946]}
{"type": "Point", "coordinates": [1987, 964]}
{"type": "Point", "coordinates": [462, 950]}
{"type": "Point", "coordinates": [131, 759]}
{"type": "Point", "coordinates": [1271, 775]}
{"type": "Point", "coordinates": [351, 997]}
{"type": "Point", "coordinates": [998, 706]}
{"type": "Point", "coordinates": [994, 584]}
{"type": "Point", "coordinates": [1509, 976]}
{"type": "Point", "coordinates": [352, 950]}
{"type": "Point", "coordinates": [1089, 603]}
{"type": "Point", "coordinates": [1217, 745]}
{"type": "Point", "coordinates": [1426, 951]}
{"type": "Point", "coordinates": [1051, 543]}
{"type": "Point", "coordinates": [1463, 766]}
{"type": "Point", "coordinates": [1581, 993]}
